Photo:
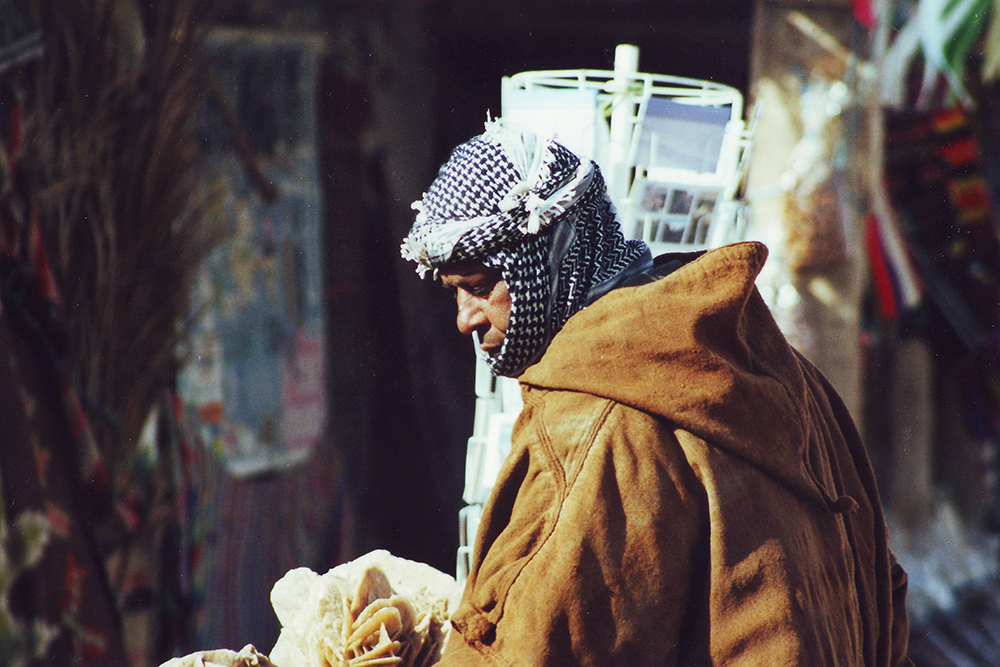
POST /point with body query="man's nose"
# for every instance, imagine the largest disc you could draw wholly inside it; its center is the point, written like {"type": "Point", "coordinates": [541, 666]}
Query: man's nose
{"type": "Point", "coordinates": [470, 315]}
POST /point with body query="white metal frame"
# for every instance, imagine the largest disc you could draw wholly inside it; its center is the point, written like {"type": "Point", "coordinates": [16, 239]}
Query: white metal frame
{"type": "Point", "coordinates": [618, 120]}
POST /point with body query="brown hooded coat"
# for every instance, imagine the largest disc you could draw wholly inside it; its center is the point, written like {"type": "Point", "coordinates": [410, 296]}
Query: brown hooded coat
{"type": "Point", "coordinates": [683, 488]}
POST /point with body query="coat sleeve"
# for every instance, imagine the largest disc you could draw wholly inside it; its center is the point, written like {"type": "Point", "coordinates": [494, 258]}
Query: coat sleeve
{"type": "Point", "coordinates": [592, 560]}
{"type": "Point", "coordinates": [900, 634]}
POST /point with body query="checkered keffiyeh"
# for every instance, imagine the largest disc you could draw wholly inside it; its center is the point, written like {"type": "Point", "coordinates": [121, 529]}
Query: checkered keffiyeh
{"type": "Point", "coordinates": [531, 208]}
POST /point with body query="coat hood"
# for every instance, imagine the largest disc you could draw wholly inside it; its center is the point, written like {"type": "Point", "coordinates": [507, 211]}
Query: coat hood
{"type": "Point", "coordinates": [700, 349]}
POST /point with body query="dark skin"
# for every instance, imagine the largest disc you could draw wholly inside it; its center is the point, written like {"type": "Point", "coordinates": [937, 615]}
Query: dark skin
{"type": "Point", "coordinates": [483, 302]}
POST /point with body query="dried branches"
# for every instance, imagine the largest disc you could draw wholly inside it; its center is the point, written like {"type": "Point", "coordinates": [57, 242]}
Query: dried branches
{"type": "Point", "coordinates": [114, 172]}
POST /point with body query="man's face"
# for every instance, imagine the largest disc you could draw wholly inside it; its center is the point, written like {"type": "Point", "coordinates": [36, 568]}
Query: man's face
{"type": "Point", "coordinates": [483, 302]}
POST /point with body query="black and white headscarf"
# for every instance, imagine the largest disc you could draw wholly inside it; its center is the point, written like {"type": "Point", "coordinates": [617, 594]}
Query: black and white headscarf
{"type": "Point", "coordinates": [531, 208]}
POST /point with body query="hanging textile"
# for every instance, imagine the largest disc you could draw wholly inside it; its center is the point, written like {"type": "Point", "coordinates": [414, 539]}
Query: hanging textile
{"type": "Point", "coordinates": [938, 184]}
{"type": "Point", "coordinates": [942, 33]}
{"type": "Point", "coordinates": [56, 605]}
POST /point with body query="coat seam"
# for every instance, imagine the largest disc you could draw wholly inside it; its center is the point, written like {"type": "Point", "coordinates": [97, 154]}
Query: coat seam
{"type": "Point", "coordinates": [587, 444]}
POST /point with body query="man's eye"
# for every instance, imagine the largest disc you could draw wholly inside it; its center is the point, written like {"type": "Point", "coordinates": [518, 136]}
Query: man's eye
{"type": "Point", "coordinates": [479, 290]}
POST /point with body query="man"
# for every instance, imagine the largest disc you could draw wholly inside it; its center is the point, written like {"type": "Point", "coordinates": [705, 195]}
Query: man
{"type": "Point", "coordinates": [683, 488]}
